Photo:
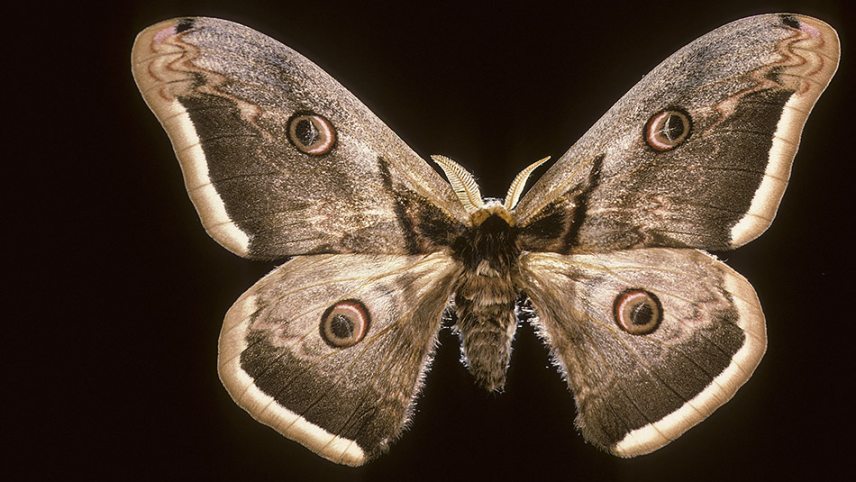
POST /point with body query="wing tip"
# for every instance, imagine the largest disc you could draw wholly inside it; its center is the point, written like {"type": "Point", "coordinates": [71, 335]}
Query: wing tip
{"type": "Point", "coordinates": [151, 39]}
{"type": "Point", "coordinates": [818, 29]}
{"type": "Point", "coordinates": [161, 85]}
{"type": "Point", "coordinates": [817, 47]}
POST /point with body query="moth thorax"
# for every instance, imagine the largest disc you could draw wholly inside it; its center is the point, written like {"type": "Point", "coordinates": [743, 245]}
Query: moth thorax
{"type": "Point", "coordinates": [489, 248]}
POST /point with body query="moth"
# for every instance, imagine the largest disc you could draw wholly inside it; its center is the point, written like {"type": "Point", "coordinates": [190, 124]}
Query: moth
{"type": "Point", "coordinates": [650, 331]}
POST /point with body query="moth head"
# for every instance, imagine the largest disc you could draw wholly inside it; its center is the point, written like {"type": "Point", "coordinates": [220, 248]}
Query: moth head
{"type": "Point", "coordinates": [344, 324]}
{"type": "Point", "coordinates": [311, 133]}
{"type": "Point", "coordinates": [637, 311]}
{"type": "Point", "coordinates": [493, 207]}
{"type": "Point", "coordinates": [667, 129]}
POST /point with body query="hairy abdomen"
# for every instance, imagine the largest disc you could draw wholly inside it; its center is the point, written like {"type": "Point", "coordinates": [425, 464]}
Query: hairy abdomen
{"type": "Point", "coordinates": [484, 305]}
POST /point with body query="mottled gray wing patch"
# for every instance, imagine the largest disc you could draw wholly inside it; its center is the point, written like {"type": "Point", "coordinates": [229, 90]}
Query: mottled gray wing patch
{"type": "Point", "coordinates": [346, 404]}
{"type": "Point", "coordinates": [636, 393]}
{"type": "Point", "coordinates": [748, 88]}
{"type": "Point", "coordinates": [225, 93]}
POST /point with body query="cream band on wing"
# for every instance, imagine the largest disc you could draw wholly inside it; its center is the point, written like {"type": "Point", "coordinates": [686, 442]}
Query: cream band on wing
{"type": "Point", "coordinates": [161, 84]}
{"type": "Point", "coordinates": [812, 61]}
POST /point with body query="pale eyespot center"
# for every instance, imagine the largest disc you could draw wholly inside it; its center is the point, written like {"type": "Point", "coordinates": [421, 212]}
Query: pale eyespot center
{"type": "Point", "coordinates": [667, 129]}
{"type": "Point", "coordinates": [637, 311]}
{"type": "Point", "coordinates": [344, 324]}
{"type": "Point", "coordinates": [311, 133]}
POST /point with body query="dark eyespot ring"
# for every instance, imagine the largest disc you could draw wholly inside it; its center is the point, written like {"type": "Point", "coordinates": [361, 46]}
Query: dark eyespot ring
{"type": "Point", "coordinates": [311, 133]}
{"type": "Point", "coordinates": [668, 129]}
{"type": "Point", "coordinates": [345, 323]}
{"type": "Point", "coordinates": [637, 311]}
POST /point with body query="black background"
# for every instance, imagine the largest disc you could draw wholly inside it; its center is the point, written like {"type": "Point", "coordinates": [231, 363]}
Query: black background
{"type": "Point", "coordinates": [117, 294]}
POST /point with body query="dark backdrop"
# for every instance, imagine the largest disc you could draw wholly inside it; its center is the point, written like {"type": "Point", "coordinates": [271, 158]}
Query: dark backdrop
{"type": "Point", "coordinates": [118, 294]}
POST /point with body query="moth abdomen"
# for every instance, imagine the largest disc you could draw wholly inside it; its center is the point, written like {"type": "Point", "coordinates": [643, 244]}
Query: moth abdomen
{"type": "Point", "coordinates": [486, 324]}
